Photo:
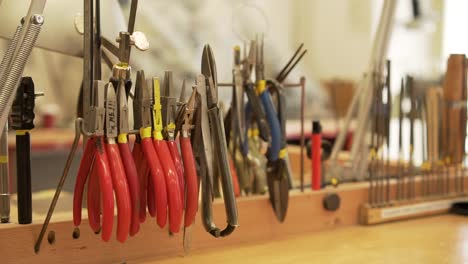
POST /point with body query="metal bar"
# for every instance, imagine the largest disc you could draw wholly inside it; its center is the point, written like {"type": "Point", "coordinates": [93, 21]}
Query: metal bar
{"type": "Point", "coordinates": [58, 190]}
{"type": "Point", "coordinates": [132, 17]}
{"type": "Point", "coordinates": [303, 95]}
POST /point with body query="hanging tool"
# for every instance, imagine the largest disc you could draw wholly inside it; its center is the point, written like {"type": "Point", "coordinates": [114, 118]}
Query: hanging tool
{"type": "Point", "coordinates": [212, 134]}
{"type": "Point", "coordinates": [119, 179]}
{"type": "Point", "coordinates": [253, 100]}
{"type": "Point", "coordinates": [168, 112]}
{"type": "Point", "coordinates": [172, 181]}
{"type": "Point", "coordinates": [186, 114]}
{"type": "Point", "coordinates": [95, 158]}
{"type": "Point", "coordinates": [127, 158]}
{"type": "Point", "coordinates": [143, 122]}
{"type": "Point", "coordinates": [279, 174]}
{"type": "Point", "coordinates": [22, 120]}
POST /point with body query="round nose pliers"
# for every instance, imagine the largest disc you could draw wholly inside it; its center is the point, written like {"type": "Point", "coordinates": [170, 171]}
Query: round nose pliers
{"type": "Point", "coordinates": [156, 182]}
{"type": "Point", "coordinates": [174, 195]}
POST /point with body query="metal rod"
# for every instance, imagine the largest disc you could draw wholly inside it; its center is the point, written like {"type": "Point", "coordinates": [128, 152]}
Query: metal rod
{"type": "Point", "coordinates": [289, 62]}
{"type": "Point", "coordinates": [303, 95]}
{"type": "Point", "coordinates": [284, 76]}
{"type": "Point", "coordinates": [58, 190]}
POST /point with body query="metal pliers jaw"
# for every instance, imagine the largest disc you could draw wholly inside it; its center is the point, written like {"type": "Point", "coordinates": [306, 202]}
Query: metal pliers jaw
{"type": "Point", "coordinates": [185, 114]}
{"type": "Point", "coordinates": [142, 103]}
{"type": "Point", "coordinates": [122, 109]}
{"type": "Point", "coordinates": [168, 106]}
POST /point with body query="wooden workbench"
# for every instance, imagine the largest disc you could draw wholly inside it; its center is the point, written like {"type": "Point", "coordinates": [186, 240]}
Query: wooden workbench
{"type": "Point", "coordinates": [440, 239]}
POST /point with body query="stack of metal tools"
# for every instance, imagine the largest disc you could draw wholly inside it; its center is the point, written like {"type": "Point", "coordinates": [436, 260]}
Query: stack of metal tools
{"type": "Point", "coordinates": [256, 128]}
{"type": "Point", "coordinates": [430, 184]}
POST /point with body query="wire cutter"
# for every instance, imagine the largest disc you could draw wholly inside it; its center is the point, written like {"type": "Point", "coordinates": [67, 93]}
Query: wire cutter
{"type": "Point", "coordinates": [143, 122]}
{"type": "Point", "coordinates": [95, 159]}
{"type": "Point", "coordinates": [168, 112]}
{"type": "Point", "coordinates": [174, 195]}
{"type": "Point", "coordinates": [185, 115]}
{"type": "Point", "coordinates": [213, 137]}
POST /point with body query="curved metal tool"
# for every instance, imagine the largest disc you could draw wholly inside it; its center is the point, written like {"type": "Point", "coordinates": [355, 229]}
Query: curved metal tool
{"type": "Point", "coordinates": [213, 134]}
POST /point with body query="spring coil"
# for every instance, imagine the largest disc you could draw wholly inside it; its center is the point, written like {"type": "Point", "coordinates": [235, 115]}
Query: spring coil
{"type": "Point", "coordinates": [8, 93]}
{"type": "Point", "coordinates": [9, 55]}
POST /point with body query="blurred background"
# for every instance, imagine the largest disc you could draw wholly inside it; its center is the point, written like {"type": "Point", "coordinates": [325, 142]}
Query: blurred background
{"type": "Point", "coordinates": [337, 34]}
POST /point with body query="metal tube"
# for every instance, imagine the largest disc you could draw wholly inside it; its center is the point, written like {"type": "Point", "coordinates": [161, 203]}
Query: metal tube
{"type": "Point", "coordinates": [4, 178]}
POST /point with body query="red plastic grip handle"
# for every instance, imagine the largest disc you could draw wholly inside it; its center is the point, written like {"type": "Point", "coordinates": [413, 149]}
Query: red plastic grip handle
{"type": "Point", "coordinates": [172, 185]}
{"type": "Point", "coordinates": [94, 200]}
{"type": "Point", "coordinates": [151, 197]}
{"type": "Point", "coordinates": [179, 167]}
{"type": "Point", "coordinates": [157, 175]}
{"type": "Point", "coordinates": [191, 181]}
{"type": "Point", "coordinates": [81, 177]}
{"type": "Point", "coordinates": [101, 164]}
{"type": "Point", "coordinates": [122, 193]}
{"type": "Point", "coordinates": [316, 161]}
{"type": "Point", "coordinates": [133, 186]}
{"type": "Point", "coordinates": [142, 169]}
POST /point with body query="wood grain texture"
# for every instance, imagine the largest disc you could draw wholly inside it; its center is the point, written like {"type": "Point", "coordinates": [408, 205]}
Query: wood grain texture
{"type": "Point", "coordinates": [256, 218]}
{"type": "Point", "coordinates": [433, 240]}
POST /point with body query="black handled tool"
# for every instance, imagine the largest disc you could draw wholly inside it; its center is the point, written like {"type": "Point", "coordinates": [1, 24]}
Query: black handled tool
{"type": "Point", "coordinates": [22, 120]}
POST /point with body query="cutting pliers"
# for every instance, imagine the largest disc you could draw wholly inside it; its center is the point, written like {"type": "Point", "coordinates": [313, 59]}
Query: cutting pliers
{"type": "Point", "coordinates": [212, 135]}
{"type": "Point", "coordinates": [174, 195]}
{"type": "Point", "coordinates": [168, 112]}
{"type": "Point", "coordinates": [186, 114]}
{"type": "Point", "coordinates": [96, 162]}
{"type": "Point", "coordinates": [156, 182]}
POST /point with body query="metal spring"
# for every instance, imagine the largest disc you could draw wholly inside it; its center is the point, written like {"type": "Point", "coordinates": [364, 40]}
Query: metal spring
{"type": "Point", "coordinates": [8, 93]}
{"type": "Point", "coordinates": [9, 55]}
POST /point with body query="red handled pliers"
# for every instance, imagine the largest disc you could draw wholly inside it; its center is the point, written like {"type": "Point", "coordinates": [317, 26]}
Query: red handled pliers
{"type": "Point", "coordinates": [172, 181]}
{"type": "Point", "coordinates": [186, 113]}
{"type": "Point", "coordinates": [127, 159]}
{"type": "Point", "coordinates": [168, 112]}
{"type": "Point", "coordinates": [119, 179]}
{"type": "Point", "coordinates": [143, 122]}
{"type": "Point", "coordinates": [96, 163]}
